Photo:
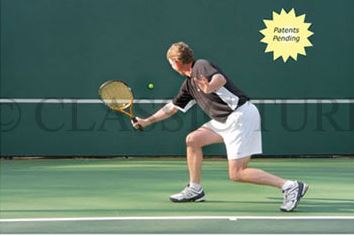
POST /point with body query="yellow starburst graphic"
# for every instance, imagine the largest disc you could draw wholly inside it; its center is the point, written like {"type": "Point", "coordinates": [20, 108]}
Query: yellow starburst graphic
{"type": "Point", "coordinates": [286, 35]}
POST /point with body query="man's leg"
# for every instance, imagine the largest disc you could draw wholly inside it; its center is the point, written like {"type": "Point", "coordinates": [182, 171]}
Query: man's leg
{"type": "Point", "coordinates": [195, 142]}
{"type": "Point", "coordinates": [293, 190]}
{"type": "Point", "coordinates": [239, 171]}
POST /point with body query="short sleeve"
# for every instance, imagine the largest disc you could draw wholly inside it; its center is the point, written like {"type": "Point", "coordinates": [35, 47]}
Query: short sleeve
{"type": "Point", "coordinates": [183, 100]}
{"type": "Point", "coordinates": [205, 69]}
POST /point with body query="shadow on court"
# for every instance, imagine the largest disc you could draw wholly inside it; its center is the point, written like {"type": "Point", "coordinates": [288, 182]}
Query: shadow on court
{"type": "Point", "coordinates": [311, 205]}
{"type": "Point", "coordinates": [326, 205]}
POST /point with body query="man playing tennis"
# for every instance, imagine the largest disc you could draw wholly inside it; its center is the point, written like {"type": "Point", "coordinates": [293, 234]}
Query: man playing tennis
{"type": "Point", "coordinates": [235, 121]}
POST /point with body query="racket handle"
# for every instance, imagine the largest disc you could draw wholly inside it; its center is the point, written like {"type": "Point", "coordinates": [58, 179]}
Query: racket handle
{"type": "Point", "coordinates": [140, 128]}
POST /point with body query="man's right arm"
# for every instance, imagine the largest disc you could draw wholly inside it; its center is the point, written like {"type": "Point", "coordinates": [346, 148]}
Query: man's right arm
{"type": "Point", "coordinates": [165, 112]}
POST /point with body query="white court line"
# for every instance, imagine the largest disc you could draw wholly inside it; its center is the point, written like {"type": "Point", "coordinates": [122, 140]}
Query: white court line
{"type": "Point", "coordinates": [163, 101]}
{"type": "Point", "coordinates": [230, 218]}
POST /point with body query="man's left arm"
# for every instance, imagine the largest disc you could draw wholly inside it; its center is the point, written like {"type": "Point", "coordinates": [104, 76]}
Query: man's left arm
{"type": "Point", "coordinates": [216, 82]}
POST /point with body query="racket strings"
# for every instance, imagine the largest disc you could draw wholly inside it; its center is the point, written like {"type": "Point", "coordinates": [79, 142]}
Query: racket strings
{"type": "Point", "coordinates": [116, 95]}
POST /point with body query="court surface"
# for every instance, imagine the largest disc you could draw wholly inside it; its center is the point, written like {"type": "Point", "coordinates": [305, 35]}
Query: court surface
{"type": "Point", "coordinates": [131, 196]}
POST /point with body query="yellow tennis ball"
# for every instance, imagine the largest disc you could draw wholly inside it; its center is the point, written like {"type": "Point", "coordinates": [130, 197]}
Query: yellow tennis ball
{"type": "Point", "coordinates": [151, 85]}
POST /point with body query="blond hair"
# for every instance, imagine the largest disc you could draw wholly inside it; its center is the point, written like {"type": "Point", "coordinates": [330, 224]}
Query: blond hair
{"type": "Point", "coordinates": [181, 52]}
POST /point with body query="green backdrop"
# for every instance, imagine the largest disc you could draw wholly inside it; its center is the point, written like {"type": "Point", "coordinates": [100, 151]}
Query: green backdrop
{"type": "Point", "coordinates": [67, 48]}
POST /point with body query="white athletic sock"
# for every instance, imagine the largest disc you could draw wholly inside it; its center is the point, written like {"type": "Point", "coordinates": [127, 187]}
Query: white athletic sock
{"type": "Point", "coordinates": [288, 184]}
{"type": "Point", "coordinates": [195, 186]}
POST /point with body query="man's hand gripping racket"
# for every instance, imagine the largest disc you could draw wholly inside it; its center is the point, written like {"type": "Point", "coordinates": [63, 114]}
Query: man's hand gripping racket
{"type": "Point", "coordinates": [119, 97]}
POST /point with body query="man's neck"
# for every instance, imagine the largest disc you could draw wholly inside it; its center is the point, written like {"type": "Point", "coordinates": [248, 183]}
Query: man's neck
{"type": "Point", "coordinates": [187, 70]}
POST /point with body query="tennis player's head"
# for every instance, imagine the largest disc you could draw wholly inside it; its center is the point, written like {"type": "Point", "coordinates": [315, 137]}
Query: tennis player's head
{"type": "Point", "coordinates": [180, 56]}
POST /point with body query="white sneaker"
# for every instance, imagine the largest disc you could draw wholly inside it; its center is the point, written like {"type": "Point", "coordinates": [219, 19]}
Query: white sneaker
{"type": "Point", "coordinates": [292, 195]}
{"type": "Point", "coordinates": [189, 194]}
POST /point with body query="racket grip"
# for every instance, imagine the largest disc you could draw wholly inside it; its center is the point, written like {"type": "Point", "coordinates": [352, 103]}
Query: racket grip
{"type": "Point", "coordinates": [140, 128]}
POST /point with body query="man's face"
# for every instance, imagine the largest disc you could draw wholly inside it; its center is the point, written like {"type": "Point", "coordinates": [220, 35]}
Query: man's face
{"type": "Point", "coordinates": [176, 66]}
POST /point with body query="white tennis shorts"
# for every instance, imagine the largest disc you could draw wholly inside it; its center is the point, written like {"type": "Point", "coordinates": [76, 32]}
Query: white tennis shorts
{"type": "Point", "coordinates": [241, 132]}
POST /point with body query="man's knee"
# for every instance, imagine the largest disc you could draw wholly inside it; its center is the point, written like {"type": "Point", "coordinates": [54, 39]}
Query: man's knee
{"type": "Point", "coordinates": [238, 168]}
{"type": "Point", "coordinates": [236, 176]}
{"type": "Point", "coordinates": [192, 140]}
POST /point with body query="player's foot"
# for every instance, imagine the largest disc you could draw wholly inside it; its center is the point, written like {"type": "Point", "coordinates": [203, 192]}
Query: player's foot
{"type": "Point", "coordinates": [189, 194]}
{"type": "Point", "coordinates": [292, 195]}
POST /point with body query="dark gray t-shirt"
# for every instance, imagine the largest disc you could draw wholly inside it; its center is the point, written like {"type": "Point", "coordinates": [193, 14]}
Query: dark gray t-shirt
{"type": "Point", "coordinates": [217, 105]}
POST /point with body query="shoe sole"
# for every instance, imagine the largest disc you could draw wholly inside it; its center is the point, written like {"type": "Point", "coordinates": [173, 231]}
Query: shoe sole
{"type": "Point", "coordinates": [303, 188]}
{"type": "Point", "coordinates": [201, 199]}
{"type": "Point", "coordinates": [304, 191]}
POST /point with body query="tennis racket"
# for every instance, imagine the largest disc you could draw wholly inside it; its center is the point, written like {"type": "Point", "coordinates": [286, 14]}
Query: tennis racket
{"type": "Point", "coordinates": [118, 97]}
